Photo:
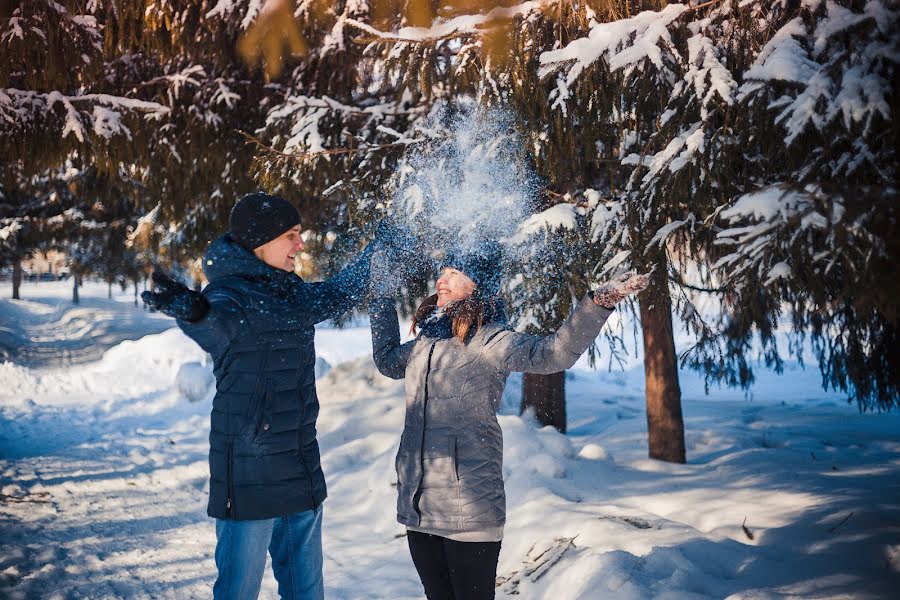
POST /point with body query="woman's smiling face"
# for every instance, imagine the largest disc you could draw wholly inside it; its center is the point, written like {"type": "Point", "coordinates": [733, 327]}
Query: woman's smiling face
{"type": "Point", "coordinates": [453, 285]}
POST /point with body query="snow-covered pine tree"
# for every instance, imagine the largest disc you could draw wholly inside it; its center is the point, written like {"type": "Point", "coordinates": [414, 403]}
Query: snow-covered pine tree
{"type": "Point", "coordinates": [656, 119]}
{"type": "Point", "coordinates": [761, 124]}
{"type": "Point", "coordinates": [151, 92]}
{"type": "Point", "coordinates": [812, 236]}
{"type": "Point", "coordinates": [664, 125]}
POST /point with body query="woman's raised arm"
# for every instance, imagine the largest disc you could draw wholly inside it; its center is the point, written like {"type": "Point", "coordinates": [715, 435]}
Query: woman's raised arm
{"type": "Point", "coordinates": [513, 351]}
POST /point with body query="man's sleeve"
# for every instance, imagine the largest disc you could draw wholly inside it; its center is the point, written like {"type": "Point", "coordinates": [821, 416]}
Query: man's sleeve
{"type": "Point", "coordinates": [330, 299]}
{"type": "Point", "coordinates": [219, 326]}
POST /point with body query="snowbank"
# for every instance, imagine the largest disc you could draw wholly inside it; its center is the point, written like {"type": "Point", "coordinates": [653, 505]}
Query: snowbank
{"type": "Point", "coordinates": [788, 495]}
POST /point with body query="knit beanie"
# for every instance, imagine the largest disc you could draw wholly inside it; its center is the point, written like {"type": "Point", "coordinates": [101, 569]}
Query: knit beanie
{"type": "Point", "coordinates": [258, 218]}
{"type": "Point", "coordinates": [480, 263]}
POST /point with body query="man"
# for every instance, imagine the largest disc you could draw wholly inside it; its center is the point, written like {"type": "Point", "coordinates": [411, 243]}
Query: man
{"type": "Point", "coordinates": [256, 319]}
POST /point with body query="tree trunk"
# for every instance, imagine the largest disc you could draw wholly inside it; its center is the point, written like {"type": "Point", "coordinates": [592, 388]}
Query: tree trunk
{"type": "Point", "coordinates": [76, 281]}
{"type": "Point", "coordinates": [135, 292]}
{"type": "Point", "coordinates": [17, 279]}
{"type": "Point", "coordinates": [147, 307]}
{"type": "Point", "coordinates": [665, 426]}
{"type": "Point", "coordinates": [546, 395]}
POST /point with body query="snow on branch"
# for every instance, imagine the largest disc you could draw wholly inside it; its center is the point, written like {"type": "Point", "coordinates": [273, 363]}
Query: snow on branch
{"type": "Point", "coordinates": [678, 153]}
{"type": "Point", "coordinates": [224, 8]}
{"type": "Point", "coordinates": [664, 232]}
{"type": "Point", "coordinates": [771, 224]}
{"type": "Point", "coordinates": [140, 236]}
{"type": "Point", "coordinates": [706, 74]}
{"type": "Point", "coordinates": [176, 81]}
{"type": "Point", "coordinates": [455, 27]}
{"type": "Point", "coordinates": [837, 70]}
{"type": "Point", "coordinates": [783, 58]}
{"type": "Point", "coordinates": [102, 114]}
{"type": "Point", "coordinates": [560, 216]}
{"type": "Point", "coordinates": [303, 114]}
{"type": "Point", "coordinates": [623, 44]}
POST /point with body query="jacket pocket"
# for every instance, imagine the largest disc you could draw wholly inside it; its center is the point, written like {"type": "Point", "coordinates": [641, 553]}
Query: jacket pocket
{"type": "Point", "coordinates": [253, 404]}
{"type": "Point", "coordinates": [261, 418]}
{"type": "Point", "coordinates": [402, 462]}
{"type": "Point", "coordinates": [439, 461]}
{"type": "Point", "coordinates": [454, 456]}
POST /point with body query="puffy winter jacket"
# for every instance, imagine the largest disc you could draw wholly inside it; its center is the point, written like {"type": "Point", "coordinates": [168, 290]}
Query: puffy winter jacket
{"type": "Point", "coordinates": [264, 457]}
{"type": "Point", "coordinates": [450, 460]}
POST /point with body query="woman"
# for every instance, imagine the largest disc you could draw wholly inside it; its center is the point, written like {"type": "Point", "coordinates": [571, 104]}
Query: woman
{"type": "Point", "coordinates": [449, 465]}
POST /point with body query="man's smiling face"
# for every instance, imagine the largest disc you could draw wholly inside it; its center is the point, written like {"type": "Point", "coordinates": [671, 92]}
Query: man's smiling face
{"type": "Point", "coordinates": [280, 252]}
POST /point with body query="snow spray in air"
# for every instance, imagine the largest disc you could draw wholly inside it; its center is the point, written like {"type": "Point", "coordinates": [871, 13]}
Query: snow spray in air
{"type": "Point", "coordinates": [470, 185]}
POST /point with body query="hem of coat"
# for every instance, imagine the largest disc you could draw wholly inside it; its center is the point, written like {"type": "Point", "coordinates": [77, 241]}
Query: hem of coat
{"type": "Point", "coordinates": [450, 525]}
{"type": "Point", "coordinates": [486, 534]}
{"type": "Point", "coordinates": [256, 515]}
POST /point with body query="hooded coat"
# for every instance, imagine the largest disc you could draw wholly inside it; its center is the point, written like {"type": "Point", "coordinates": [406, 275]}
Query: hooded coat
{"type": "Point", "coordinates": [450, 461]}
{"type": "Point", "coordinates": [263, 456]}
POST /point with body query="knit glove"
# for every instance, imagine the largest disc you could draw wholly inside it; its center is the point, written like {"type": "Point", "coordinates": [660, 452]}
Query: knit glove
{"type": "Point", "coordinates": [384, 281]}
{"type": "Point", "coordinates": [175, 299]}
{"type": "Point", "coordinates": [399, 240]}
{"type": "Point", "coordinates": [611, 293]}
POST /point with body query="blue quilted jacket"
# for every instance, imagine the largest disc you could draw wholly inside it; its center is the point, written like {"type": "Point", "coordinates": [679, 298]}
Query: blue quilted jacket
{"type": "Point", "coordinates": [263, 456]}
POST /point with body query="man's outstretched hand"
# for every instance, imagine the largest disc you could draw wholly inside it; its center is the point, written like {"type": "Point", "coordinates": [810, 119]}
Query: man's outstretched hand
{"type": "Point", "coordinates": [384, 281]}
{"type": "Point", "coordinates": [175, 299]}
{"type": "Point", "coordinates": [401, 242]}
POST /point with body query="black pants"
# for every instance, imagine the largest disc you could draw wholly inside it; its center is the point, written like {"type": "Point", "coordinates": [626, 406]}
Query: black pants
{"type": "Point", "coordinates": [452, 570]}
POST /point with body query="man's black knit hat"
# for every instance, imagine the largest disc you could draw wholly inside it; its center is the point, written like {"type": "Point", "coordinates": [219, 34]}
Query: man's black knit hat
{"type": "Point", "coordinates": [480, 262]}
{"type": "Point", "coordinates": [259, 218]}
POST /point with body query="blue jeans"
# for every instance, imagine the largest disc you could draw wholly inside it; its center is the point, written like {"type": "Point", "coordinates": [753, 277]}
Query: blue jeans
{"type": "Point", "coordinates": [295, 543]}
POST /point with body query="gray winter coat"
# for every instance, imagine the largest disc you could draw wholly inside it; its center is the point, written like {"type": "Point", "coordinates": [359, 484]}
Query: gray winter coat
{"type": "Point", "coordinates": [450, 461]}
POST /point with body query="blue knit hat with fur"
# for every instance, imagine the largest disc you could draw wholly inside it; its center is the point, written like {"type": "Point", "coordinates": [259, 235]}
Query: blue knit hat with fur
{"type": "Point", "coordinates": [481, 263]}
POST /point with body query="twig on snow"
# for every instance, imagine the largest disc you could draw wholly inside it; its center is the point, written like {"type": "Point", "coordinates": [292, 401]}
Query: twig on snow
{"type": "Point", "coordinates": [746, 529]}
{"type": "Point", "coordinates": [844, 520]}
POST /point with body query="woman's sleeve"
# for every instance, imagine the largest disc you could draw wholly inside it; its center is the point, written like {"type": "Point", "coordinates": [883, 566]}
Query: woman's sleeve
{"type": "Point", "coordinates": [220, 324]}
{"type": "Point", "coordinates": [390, 355]}
{"type": "Point", "coordinates": [513, 351]}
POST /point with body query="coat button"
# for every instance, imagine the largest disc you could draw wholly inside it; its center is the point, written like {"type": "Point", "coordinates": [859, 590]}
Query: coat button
{"type": "Point", "coordinates": [265, 426]}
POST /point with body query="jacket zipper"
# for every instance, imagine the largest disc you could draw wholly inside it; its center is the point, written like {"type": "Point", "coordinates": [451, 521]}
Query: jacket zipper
{"type": "Point", "coordinates": [229, 504]}
{"type": "Point", "coordinates": [424, 420]}
{"type": "Point", "coordinates": [300, 424]}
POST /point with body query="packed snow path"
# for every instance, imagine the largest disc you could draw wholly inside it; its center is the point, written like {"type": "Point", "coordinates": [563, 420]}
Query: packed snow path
{"type": "Point", "coordinates": [104, 483]}
{"type": "Point", "coordinates": [44, 328]}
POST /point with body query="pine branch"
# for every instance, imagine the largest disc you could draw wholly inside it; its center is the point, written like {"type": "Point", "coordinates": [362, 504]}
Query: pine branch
{"type": "Point", "coordinates": [327, 152]}
{"type": "Point", "coordinates": [464, 25]}
{"type": "Point", "coordinates": [719, 290]}
{"type": "Point", "coordinates": [702, 6]}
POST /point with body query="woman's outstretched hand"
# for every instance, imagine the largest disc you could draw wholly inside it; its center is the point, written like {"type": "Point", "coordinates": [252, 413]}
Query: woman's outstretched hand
{"type": "Point", "coordinates": [611, 293]}
{"type": "Point", "coordinates": [175, 299]}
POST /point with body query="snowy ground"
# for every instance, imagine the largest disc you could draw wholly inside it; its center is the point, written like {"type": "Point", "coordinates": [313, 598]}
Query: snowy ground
{"type": "Point", "coordinates": [46, 329]}
{"type": "Point", "coordinates": [104, 477]}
